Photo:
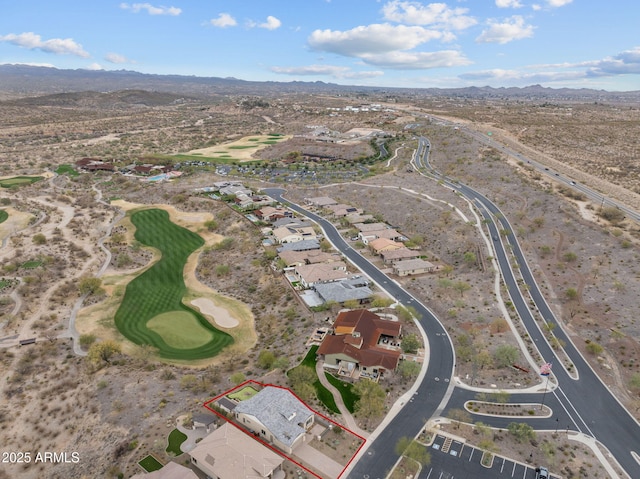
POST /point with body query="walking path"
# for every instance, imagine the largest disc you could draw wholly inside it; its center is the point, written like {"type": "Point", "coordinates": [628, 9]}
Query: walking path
{"type": "Point", "coordinates": [347, 417]}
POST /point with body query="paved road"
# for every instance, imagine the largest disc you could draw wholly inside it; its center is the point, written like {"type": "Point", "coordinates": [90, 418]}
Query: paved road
{"type": "Point", "coordinates": [585, 405]}
{"type": "Point", "coordinates": [428, 399]}
{"type": "Point", "coordinates": [588, 402]}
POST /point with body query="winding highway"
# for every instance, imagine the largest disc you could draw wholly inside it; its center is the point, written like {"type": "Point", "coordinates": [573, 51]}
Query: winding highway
{"type": "Point", "coordinates": [586, 402]}
{"type": "Point", "coordinates": [583, 405]}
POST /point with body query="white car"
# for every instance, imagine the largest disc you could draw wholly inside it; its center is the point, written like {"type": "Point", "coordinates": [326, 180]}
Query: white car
{"type": "Point", "coordinates": [542, 473]}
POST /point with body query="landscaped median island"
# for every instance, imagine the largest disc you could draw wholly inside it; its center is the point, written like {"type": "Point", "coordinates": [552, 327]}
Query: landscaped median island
{"type": "Point", "coordinates": [152, 312]}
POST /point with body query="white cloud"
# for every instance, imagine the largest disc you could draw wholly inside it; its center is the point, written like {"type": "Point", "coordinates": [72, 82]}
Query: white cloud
{"type": "Point", "coordinates": [558, 3]}
{"type": "Point", "coordinates": [624, 63]}
{"type": "Point", "coordinates": [437, 14]}
{"type": "Point", "coordinates": [272, 23]}
{"type": "Point", "coordinates": [326, 70]}
{"type": "Point", "coordinates": [32, 64]}
{"type": "Point", "coordinates": [508, 4]}
{"type": "Point", "coordinates": [620, 64]}
{"type": "Point", "coordinates": [95, 66]}
{"type": "Point", "coordinates": [373, 39]}
{"type": "Point", "coordinates": [151, 10]}
{"type": "Point", "coordinates": [59, 46]}
{"type": "Point", "coordinates": [117, 58]}
{"type": "Point", "coordinates": [512, 28]}
{"type": "Point", "coordinates": [224, 20]}
{"type": "Point", "coordinates": [516, 77]}
{"type": "Point", "coordinates": [417, 60]}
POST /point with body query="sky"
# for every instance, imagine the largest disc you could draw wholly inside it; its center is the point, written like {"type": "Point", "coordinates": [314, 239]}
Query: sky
{"type": "Point", "coordinates": [386, 43]}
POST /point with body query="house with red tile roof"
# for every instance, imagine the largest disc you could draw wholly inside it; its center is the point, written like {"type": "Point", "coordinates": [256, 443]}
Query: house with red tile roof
{"type": "Point", "coordinates": [362, 344]}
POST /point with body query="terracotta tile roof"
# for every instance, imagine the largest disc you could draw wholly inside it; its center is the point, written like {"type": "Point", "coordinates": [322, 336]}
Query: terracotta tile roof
{"type": "Point", "coordinates": [356, 335]}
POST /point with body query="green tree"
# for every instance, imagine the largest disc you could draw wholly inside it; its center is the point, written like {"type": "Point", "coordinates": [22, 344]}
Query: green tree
{"type": "Point", "coordinates": [90, 285]}
{"type": "Point", "coordinates": [470, 258]}
{"type": "Point", "coordinates": [102, 352]}
{"type": "Point", "coordinates": [634, 382]}
{"type": "Point", "coordinates": [594, 348]}
{"type": "Point", "coordinates": [483, 359]}
{"type": "Point", "coordinates": [505, 355]}
{"type": "Point", "coordinates": [407, 313]}
{"type": "Point", "coordinates": [409, 369]}
{"type": "Point", "coordinates": [571, 294]}
{"type": "Point", "coordinates": [501, 397]}
{"type": "Point", "coordinates": [412, 449]}
{"type": "Point", "coordinates": [86, 340]}
{"type": "Point", "coordinates": [211, 225]}
{"type": "Point", "coordinates": [237, 378]}
{"type": "Point", "coordinates": [462, 287]}
{"type": "Point", "coordinates": [411, 343]}
{"type": "Point", "coordinates": [459, 416]}
{"type": "Point", "coordinates": [371, 402]}
{"type": "Point", "coordinates": [266, 359]}
{"type": "Point", "coordinates": [39, 239]}
{"type": "Point", "coordinates": [302, 379]}
{"type": "Point", "coordinates": [521, 431]}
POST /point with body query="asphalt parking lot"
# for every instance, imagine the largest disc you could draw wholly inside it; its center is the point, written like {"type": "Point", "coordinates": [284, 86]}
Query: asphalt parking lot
{"type": "Point", "coordinates": [452, 459]}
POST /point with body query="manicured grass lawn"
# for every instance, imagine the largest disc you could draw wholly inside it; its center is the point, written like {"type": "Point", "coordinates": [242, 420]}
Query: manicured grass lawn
{"type": "Point", "coordinates": [3, 216]}
{"type": "Point", "coordinates": [67, 169]}
{"type": "Point", "coordinates": [242, 147]}
{"type": "Point", "coordinates": [243, 394]}
{"type": "Point", "coordinates": [323, 394]}
{"type": "Point", "coordinates": [159, 291]}
{"type": "Point", "coordinates": [150, 464]}
{"type": "Point", "coordinates": [19, 181]}
{"type": "Point", "coordinates": [346, 391]}
{"type": "Point", "coordinates": [176, 438]}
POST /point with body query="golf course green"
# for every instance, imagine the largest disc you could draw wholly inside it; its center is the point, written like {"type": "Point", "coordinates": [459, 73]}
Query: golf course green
{"type": "Point", "coordinates": [152, 311]}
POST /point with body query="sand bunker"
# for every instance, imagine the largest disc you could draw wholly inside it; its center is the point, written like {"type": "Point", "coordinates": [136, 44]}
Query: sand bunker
{"type": "Point", "coordinates": [220, 315]}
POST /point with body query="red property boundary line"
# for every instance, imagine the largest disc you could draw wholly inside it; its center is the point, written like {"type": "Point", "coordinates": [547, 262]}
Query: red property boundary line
{"type": "Point", "coordinates": [250, 382]}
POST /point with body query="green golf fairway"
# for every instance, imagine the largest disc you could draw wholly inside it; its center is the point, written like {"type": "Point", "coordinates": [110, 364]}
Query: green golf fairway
{"type": "Point", "coordinates": [160, 290]}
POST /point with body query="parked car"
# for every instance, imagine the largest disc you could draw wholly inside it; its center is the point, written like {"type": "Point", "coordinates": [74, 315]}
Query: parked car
{"type": "Point", "coordinates": [542, 473]}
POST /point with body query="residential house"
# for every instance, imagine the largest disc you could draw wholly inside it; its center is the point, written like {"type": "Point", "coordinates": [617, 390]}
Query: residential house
{"type": "Point", "coordinates": [269, 213]}
{"type": "Point", "coordinates": [354, 289]}
{"type": "Point", "coordinates": [320, 201]}
{"type": "Point", "coordinates": [204, 421]}
{"type": "Point", "coordinates": [388, 233]}
{"type": "Point", "coordinates": [362, 344]}
{"type": "Point", "coordinates": [249, 201]}
{"type": "Point", "coordinates": [304, 245]}
{"type": "Point", "coordinates": [366, 227]}
{"type": "Point", "coordinates": [354, 218]}
{"type": "Point", "coordinates": [293, 222]}
{"type": "Point", "coordinates": [276, 415]}
{"type": "Point", "coordinates": [413, 266]}
{"type": "Point", "coordinates": [171, 470]}
{"type": "Point", "coordinates": [401, 254]}
{"type": "Point", "coordinates": [342, 210]}
{"type": "Point", "coordinates": [310, 274]}
{"type": "Point", "coordinates": [292, 234]}
{"type": "Point", "coordinates": [298, 258]}
{"type": "Point", "coordinates": [93, 164]}
{"type": "Point", "coordinates": [229, 453]}
{"type": "Point", "coordinates": [380, 245]}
